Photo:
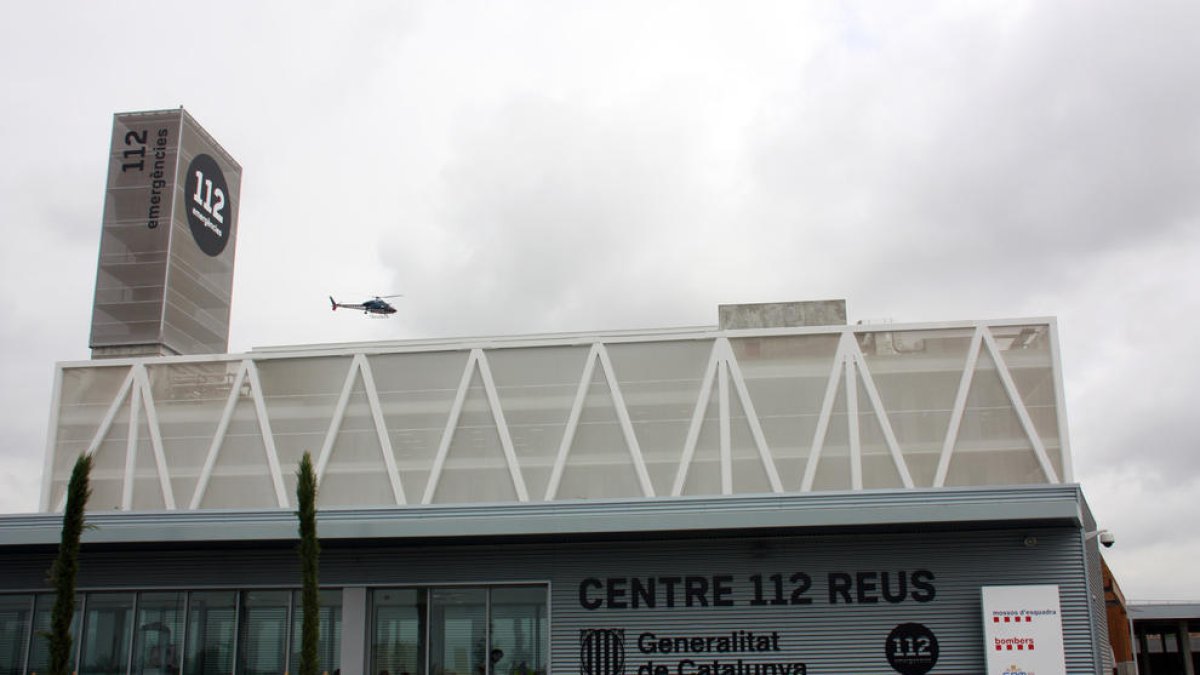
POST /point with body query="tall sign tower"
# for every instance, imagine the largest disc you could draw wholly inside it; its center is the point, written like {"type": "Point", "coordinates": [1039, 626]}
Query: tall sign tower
{"type": "Point", "coordinates": [165, 274]}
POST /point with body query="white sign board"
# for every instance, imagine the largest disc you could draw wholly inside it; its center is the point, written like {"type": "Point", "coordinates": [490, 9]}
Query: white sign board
{"type": "Point", "coordinates": [1022, 628]}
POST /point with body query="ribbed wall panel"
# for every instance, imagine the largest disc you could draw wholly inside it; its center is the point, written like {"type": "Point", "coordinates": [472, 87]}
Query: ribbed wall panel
{"type": "Point", "coordinates": [1099, 608]}
{"type": "Point", "coordinates": [829, 638]}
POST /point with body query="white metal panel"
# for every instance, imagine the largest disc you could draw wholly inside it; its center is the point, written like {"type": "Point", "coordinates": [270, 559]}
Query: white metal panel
{"type": "Point", "coordinates": [831, 386]}
{"type": "Point", "coordinates": [881, 416]}
{"type": "Point", "coordinates": [960, 406]}
{"type": "Point", "coordinates": [851, 383]}
{"type": "Point", "coordinates": [51, 440]}
{"type": "Point", "coordinates": [564, 447]}
{"type": "Point", "coordinates": [156, 443]}
{"type": "Point", "coordinates": [693, 435]}
{"type": "Point", "coordinates": [335, 423]}
{"type": "Point", "coordinates": [222, 427]}
{"type": "Point", "coordinates": [385, 443]}
{"type": "Point", "coordinates": [631, 442]}
{"type": "Point", "coordinates": [105, 425]}
{"type": "Point", "coordinates": [760, 441]}
{"type": "Point", "coordinates": [510, 455]}
{"type": "Point", "coordinates": [135, 404]}
{"type": "Point", "coordinates": [1022, 413]}
{"type": "Point", "coordinates": [1060, 406]}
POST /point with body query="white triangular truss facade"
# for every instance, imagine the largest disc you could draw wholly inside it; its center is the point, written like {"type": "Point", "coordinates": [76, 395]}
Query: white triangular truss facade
{"type": "Point", "coordinates": [848, 378]}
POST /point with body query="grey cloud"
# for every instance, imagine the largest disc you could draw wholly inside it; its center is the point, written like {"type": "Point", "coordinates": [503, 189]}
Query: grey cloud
{"type": "Point", "coordinates": [557, 214]}
{"type": "Point", "coordinates": [1008, 146]}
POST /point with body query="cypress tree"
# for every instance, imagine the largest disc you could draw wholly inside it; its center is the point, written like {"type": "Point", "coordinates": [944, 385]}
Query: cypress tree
{"type": "Point", "coordinates": [310, 549]}
{"type": "Point", "coordinates": [65, 567]}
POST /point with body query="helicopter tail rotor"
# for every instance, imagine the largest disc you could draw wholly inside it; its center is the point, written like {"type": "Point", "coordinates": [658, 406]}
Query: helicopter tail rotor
{"type": "Point", "coordinates": [333, 302]}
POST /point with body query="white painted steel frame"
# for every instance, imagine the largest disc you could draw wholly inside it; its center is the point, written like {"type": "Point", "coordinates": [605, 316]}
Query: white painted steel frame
{"type": "Point", "coordinates": [558, 340]}
{"type": "Point", "coordinates": [1014, 397]}
{"type": "Point", "coordinates": [598, 353]}
{"type": "Point", "coordinates": [476, 361]}
{"type": "Point", "coordinates": [51, 441]}
{"type": "Point", "coordinates": [723, 366]}
{"type": "Point", "coordinates": [247, 373]}
{"type": "Point", "coordinates": [848, 369]}
{"type": "Point", "coordinates": [1060, 406]}
{"type": "Point", "coordinates": [960, 406]}
{"type": "Point", "coordinates": [981, 338]}
{"type": "Point", "coordinates": [360, 366]}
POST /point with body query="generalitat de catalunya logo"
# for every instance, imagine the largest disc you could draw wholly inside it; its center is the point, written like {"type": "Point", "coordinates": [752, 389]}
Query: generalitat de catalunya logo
{"type": "Point", "coordinates": [602, 651]}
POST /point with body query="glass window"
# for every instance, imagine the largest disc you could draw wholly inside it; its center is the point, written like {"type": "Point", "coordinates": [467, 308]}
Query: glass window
{"type": "Point", "coordinates": [211, 622]}
{"type": "Point", "coordinates": [459, 631]}
{"type": "Point", "coordinates": [39, 652]}
{"type": "Point", "coordinates": [155, 633]}
{"type": "Point", "coordinates": [1170, 641]}
{"type": "Point", "coordinates": [16, 611]}
{"type": "Point", "coordinates": [518, 631]}
{"type": "Point", "coordinates": [158, 633]}
{"type": "Point", "coordinates": [264, 631]}
{"type": "Point", "coordinates": [398, 641]}
{"type": "Point", "coordinates": [107, 631]}
{"type": "Point", "coordinates": [330, 646]}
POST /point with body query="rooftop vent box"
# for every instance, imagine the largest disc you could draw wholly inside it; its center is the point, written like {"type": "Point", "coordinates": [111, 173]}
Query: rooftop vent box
{"type": "Point", "coordinates": [783, 314]}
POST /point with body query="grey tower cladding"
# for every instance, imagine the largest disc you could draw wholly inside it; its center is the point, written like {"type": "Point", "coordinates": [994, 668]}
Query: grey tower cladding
{"type": "Point", "coordinates": [169, 237]}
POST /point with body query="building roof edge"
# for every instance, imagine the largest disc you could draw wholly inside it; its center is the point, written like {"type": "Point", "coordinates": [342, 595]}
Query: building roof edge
{"type": "Point", "coordinates": [1024, 505]}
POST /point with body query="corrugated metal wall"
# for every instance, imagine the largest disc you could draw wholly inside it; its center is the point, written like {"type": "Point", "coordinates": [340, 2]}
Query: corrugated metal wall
{"type": "Point", "coordinates": [826, 633]}
{"type": "Point", "coordinates": [1099, 610]}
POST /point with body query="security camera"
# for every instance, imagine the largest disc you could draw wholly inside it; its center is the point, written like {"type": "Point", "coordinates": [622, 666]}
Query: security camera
{"type": "Point", "coordinates": [1106, 539]}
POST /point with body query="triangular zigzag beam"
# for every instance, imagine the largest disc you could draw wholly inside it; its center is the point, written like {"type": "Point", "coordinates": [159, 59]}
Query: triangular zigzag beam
{"type": "Point", "coordinates": [983, 337]}
{"type": "Point", "coordinates": [477, 360]}
{"type": "Point", "coordinates": [135, 388]}
{"type": "Point", "coordinates": [723, 366]}
{"type": "Point", "coordinates": [848, 368]}
{"type": "Point", "coordinates": [598, 354]}
{"type": "Point", "coordinates": [247, 373]}
{"type": "Point", "coordinates": [360, 366]}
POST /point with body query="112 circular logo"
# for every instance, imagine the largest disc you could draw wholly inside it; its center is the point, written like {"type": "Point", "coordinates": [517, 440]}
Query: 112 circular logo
{"type": "Point", "coordinates": [209, 206]}
{"type": "Point", "coordinates": [911, 649]}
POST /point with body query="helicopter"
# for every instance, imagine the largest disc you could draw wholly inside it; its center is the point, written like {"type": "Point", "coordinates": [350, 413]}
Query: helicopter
{"type": "Point", "coordinates": [376, 305]}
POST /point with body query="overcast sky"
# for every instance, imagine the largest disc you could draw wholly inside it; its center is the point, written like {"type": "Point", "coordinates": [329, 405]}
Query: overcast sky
{"type": "Point", "coordinates": [518, 167]}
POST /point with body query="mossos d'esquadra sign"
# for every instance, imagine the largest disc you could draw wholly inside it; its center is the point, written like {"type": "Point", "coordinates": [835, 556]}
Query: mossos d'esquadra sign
{"type": "Point", "coordinates": [1023, 630]}
{"type": "Point", "coordinates": [165, 272]}
{"type": "Point", "coordinates": [746, 624]}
